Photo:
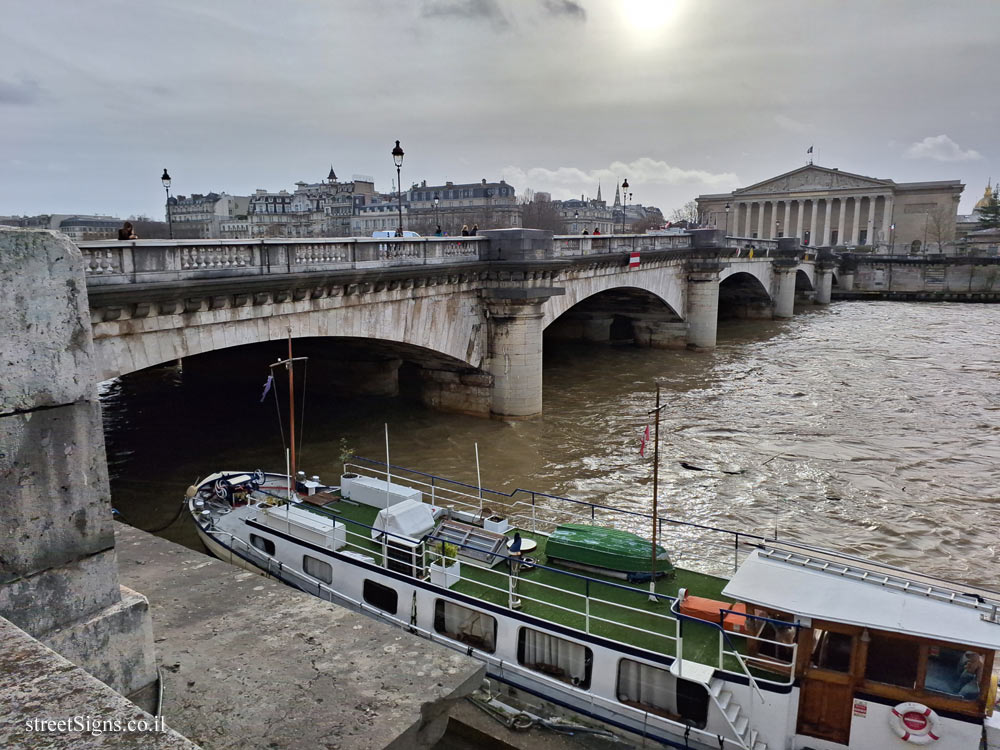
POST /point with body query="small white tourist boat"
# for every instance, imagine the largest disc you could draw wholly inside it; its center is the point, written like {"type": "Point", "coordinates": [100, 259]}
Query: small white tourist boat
{"type": "Point", "coordinates": [799, 648]}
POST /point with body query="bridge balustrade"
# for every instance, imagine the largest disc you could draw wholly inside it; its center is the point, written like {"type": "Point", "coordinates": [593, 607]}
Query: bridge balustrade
{"type": "Point", "coordinates": [578, 245]}
{"type": "Point", "coordinates": [151, 261]}
{"type": "Point", "coordinates": [759, 245]}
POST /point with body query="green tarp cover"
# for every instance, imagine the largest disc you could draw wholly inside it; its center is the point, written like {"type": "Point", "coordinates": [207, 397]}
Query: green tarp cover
{"type": "Point", "coordinates": [605, 548]}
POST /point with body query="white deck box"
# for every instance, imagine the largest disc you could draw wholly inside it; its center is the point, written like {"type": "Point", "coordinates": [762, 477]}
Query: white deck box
{"type": "Point", "coordinates": [305, 525]}
{"type": "Point", "coordinates": [375, 492]}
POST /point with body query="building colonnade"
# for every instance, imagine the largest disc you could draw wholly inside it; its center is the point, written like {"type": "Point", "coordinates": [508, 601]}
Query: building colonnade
{"type": "Point", "coordinates": [843, 220]}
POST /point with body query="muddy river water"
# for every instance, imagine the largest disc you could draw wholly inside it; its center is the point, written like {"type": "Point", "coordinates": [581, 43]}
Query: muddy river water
{"type": "Point", "coordinates": [873, 427]}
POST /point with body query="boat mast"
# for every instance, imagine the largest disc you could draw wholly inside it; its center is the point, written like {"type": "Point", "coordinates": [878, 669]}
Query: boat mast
{"type": "Point", "coordinates": [291, 411]}
{"type": "Point", "coordinates": [289, 365]}
{"type": "Point", "coordinates": [656, 476]}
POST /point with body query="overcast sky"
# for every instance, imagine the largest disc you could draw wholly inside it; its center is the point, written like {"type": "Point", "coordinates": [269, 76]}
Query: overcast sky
{"type": "Point", "coordinates": [680, 96]}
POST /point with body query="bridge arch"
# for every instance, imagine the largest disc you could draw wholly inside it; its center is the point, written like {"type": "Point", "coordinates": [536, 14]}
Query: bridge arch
{"type": "Point", "coordinates": [619, 314]}
{"type": "Point", "coordinates": [805, 279]}
{"type": "Point", "coordinates": [665, 288]}
{"type": "Point", "coordinates": [743, 295]}
{"type": "Point", "coordinates": [452, 326]}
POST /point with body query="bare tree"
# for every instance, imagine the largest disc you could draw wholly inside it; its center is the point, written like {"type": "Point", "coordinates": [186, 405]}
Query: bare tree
{"type": "Point", "coordinates": [688, 212]}
{"type": "Point", "coordinates": [646, 223]}
{"type": "Point", "coordinates": [940, 227]}
{"type": "Point", "coordinates": [542, 215]}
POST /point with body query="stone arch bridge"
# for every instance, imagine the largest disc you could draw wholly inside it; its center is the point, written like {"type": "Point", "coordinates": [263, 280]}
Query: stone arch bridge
{"type": "Point", "coordinates": [466, 316]}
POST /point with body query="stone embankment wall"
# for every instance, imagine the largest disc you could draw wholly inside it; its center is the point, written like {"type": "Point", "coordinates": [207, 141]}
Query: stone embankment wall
{"type": "Point", "coordinates": [959, 279]}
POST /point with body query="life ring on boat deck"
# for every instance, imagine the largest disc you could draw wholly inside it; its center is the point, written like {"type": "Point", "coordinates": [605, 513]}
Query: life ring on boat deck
{"type": "Point", "coordinates": [914, 722]}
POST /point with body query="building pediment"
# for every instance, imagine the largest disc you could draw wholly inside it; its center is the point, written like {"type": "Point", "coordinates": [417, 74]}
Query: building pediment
{"type": "Point", "coordinates": [812, 177]}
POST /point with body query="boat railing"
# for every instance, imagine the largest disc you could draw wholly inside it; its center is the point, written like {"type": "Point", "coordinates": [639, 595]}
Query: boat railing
{"type": "Point", "coordinates": [582, 609]}
{"type": "Point", "coordinates": [541, 512]}
{"type": "Point", "coordinates": [749, 657]}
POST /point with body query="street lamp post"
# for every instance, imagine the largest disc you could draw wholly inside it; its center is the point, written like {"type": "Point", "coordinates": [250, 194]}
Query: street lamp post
{"type": "Point", "coordinates": [437, 221]}
{"type": "Point", "coordinates": [165, 179]}
{"type": "Point", "coordinates": [624, 201]}
{"type": "Point", "coordinates": [777, 228]}
{"type": "Point", "coordinates": [576, 221]}
{"type": "Point", "coordinates": [727, 220]}
{"type": "Point", "coordinates": [397, 158]}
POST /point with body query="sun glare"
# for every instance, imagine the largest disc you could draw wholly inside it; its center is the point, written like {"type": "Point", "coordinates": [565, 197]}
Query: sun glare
{"type": "Point", "coordinates": [648, 16]}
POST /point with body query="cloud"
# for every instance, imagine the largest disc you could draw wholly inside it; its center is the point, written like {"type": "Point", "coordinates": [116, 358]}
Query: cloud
{"type": "Point", "coordinates": [24, 92]}
{"type": "Point", "coordinates": [941, 148]}
{"type": "Point", "coordinates": [471, 10]}
{"type": "Point", "coordinates": [569, 8]}
{"type": "Point", "coordinates": [642, 173]}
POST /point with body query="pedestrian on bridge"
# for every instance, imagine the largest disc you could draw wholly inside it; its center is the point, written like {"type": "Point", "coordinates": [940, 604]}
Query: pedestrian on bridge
{"type": "Point", "coordinates": [127, 232]}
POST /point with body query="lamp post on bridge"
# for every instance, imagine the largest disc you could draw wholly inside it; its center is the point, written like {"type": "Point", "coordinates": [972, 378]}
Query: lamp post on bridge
{"type": "Point", "coordinates": [777, 228]}
{"type": "Point", "coordinates": [624, 201]}
{"type": "Point", "coordinates": [727, 219]}
{"type": "Point", "coordinates": [437, 221]}
{"type": "Point", "coordinates": [397, 158]}
{"type": "Point", "coordinates": [165, 179]}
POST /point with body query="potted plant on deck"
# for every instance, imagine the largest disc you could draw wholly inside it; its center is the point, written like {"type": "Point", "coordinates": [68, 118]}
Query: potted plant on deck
{"type": "Point", "coordinates": [348, 477]}
{"type": "Point", "coordinates": [445, 568]}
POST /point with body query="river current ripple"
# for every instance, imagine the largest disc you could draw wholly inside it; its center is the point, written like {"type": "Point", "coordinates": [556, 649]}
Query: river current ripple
{"type": "Point", "coordinates": [870, 427]}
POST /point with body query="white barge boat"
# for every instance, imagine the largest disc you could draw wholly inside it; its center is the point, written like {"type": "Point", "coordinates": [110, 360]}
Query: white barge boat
{"type": "Point", "coordinates": [799, 648]}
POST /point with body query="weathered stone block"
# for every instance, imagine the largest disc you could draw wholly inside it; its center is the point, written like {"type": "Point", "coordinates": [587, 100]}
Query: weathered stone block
{"type": "Point", "coordinates": [54, 504]}
{"type": "Point", "coordinates": [45, 338]}
{"type": "Point", "coordinates": [53, 596]}
{"type": "Point", "coordinates": [115, 645]}
{"type": "Point", "coordinates": [482, 379]}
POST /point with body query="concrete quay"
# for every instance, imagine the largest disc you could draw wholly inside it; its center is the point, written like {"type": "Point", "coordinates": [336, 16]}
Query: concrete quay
{"type": "Point", "coordinates": [249, 663]}
{"type": "Point", "coordinates": [49, 703]}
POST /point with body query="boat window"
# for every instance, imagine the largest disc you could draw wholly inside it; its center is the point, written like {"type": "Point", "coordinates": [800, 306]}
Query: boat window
{"type": "Point", "coordinates": [892, 661]}
{"type": "Point", "coordinates": [953, 672]}
{"type": "Point", "coordinates": [659, 692]}
{"type": "Point", "coordinates": [317, 568]}
{"type": "Point", "coordinates": [832, 650]}
{"type": "Point", "coordinates": [383, 597]}
{"type": "Point", "coordinates": [470, 626]}
{"type": "Point", "coordinates": [264, 545]}
{"type": "Point", "coordinates": [556, 657]}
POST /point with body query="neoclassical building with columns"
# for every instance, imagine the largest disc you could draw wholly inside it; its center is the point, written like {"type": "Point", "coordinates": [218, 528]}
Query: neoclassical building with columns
{"type": "Point", "coordinates": [830, 208]}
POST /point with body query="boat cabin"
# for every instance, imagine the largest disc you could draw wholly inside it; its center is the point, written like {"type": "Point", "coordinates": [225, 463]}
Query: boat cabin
{"type": "Point", "coordinates": [881, 657]}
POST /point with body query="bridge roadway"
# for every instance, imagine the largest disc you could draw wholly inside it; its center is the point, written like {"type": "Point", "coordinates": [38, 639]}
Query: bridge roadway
{"type": "Point", "coordinates": [468, 313]}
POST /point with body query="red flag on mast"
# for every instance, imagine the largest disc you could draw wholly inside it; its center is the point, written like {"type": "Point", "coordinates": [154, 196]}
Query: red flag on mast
{"type": "Point", "coordinates": [642, 445]}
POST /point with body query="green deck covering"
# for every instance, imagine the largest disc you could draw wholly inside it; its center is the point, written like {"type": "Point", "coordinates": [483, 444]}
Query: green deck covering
{"type": "Point", "coordinates": [610, 549]}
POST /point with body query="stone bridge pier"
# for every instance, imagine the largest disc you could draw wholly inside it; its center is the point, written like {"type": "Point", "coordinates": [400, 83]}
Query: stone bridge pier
{"type": "Point", "coordinates": [58, 567]}
{"type": "Point", "coordinates": [824, 278]}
